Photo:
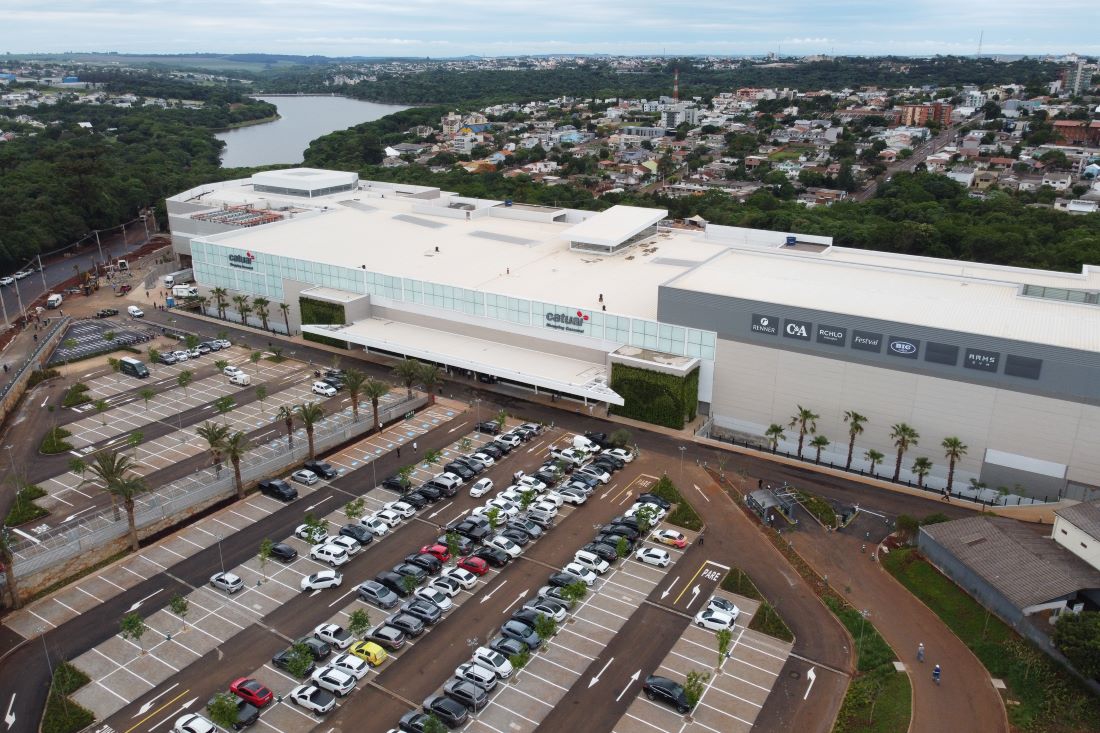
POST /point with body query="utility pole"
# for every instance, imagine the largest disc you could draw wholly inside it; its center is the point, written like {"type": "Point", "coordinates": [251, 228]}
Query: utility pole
{"type": "Point", "coordinates": [100, 246]}
{"type": "Point", "coordinates": [42, 272]}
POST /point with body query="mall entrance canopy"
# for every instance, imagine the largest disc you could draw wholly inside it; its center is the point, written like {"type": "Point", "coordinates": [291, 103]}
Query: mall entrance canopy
{"type": "Point", "coordinates": [574, 377]}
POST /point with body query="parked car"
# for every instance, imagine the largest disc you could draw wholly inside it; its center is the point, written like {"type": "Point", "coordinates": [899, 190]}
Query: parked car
{"type": "Point", "coordinates": [313, 698]}
{"type": "Point", "coordinates": [331, 553]}
{"type": "Point", "coordinates": [394, 483]}
{"type": "Point", "coordinates": [252, 691]}
{"type": "Point", "coordinates": [283, 659]}
{"type": "Point", "coordinates": [278, 489]}
{"type": "Point", "coordinates": [435, 596]}
{"type": "Point", "coordinates": [430, 563]}
{"type": "Point", "coordinates": [491, 555]}
{"type": "Point", "coordinates": [620, 453]}
{"type": "Point", "coordinates": [715, 620]}
{"type": "Point", "coordinates": [450, 712]}
{"type": "Point", "coordinates": [406, 511]}
{"type": "Point", "coordinates": [324, 389]}
{"type": "Point", "coordinates": [408, 570]}
{"type": "Point", "coordinates": [334, 635]}
{"type": "Point", "coordinates": [321, 468]}
{"type": "Point", "coordinates": [374, 592]}
{"type": "Point", "coordinates": [488, 428]}
{"type": "Point", "coordinates": [718, 603]}
{"type": "Point", "coordinates": [247, 713]}
{"type": "Point", "coordinates": [580, 572]}
{"type": "Point", "coordinates": [318, 649]}
{"type": "Point", "coordinates": [304, 476]}
{"type": "Point", "coordinates": [463, 576]}
{"type": "Point", "coordinates": [321, 580]}
{"type": "Point", "coordinates": [357, 667]}
{"type": "Point", "coordinates": [227, 582]}
{"type": "Point", "coordinates": [481, 487]}
{"type": "Point", "coordinates": [371, 652]}
{"type": "Point", "coordinates": [424, 610]}
{"type": "Point", "coordinates": [476, 674]}
{"type": "Point", "coordinates": [192, 722]}
{"type": "Point", "coordinates": [667, 691]}
{"type": "Point", "coordinates": [357, 532]}
{"type": "Point", "coordinates": [467, 694]}
{"type": "Point", "coordinates": [670, 537]}
{"type": "Point", "coordinates": [652, 556]}
{"type": "Point", "coordinates": [407, 623]}
{"type": "Point", "coordinates": [336, 681]}
{"type": "Point", "coordinates": [393, 582]}
{"type": "Point", "coordinates": [387, 637]}
{"type": "Point", "coordinates": [475, 565]}
{"type": "Point", "coordinates": [493, 660]}
{"type": "Point", "coordinates": [106, 312]}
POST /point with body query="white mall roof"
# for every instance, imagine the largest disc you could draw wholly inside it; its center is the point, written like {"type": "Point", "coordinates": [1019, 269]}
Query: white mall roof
{"type": "Point", "coordinates": [304, 179]}
{"type": "Point", "coordinates": [616, 225]}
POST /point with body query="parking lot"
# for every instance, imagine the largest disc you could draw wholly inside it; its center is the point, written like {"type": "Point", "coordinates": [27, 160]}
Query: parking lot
{"type": "Point", "coordinates": [89, 338]}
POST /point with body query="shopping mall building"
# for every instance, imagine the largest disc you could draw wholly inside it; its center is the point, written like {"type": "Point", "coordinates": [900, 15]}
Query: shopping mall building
{"type": "Point", "coordinates": [659, 319]}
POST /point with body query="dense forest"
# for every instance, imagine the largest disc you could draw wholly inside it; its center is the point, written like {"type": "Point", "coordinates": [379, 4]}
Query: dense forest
{"type": "Point", "coordinates": [918, 214]}
{"type": "Point", "coordinates": [60, 182]}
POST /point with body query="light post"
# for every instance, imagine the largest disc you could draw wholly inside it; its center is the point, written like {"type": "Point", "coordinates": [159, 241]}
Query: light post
{"type": "Point", "coordinates": [45, 650]}
{"type": "Point", "coordinates": [682, 449]}
{"type": "Point", "coordinates": [863, 614]}
{"type": "Point", "coordinates": [11, 458]}
{"type": "Point", "coordinates": [19, 298]}
{"type": "Point", "coordinates": [477, 406]}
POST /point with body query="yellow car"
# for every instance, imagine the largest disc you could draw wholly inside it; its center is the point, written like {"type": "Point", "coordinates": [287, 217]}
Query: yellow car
{"type": "Point", "coordinates": [370, 652]}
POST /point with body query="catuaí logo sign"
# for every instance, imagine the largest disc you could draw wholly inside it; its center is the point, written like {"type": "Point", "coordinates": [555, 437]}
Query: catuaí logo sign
{"type": "Point", "coordinates": [242, 261]}
{"type": "Point", "coordinates": [566, 321]}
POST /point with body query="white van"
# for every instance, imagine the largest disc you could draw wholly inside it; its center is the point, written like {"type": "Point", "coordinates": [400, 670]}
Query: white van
{"type": "Point", "coordinates": [134, 311]}
{"type": "Point", "coordinates": [54, 301]}
{"type": "Point", "coordinates": [592, 561]}
{"type": "Point", "coordinates": [169, 281]}
{"type": "Point", "coordinates": [185, 291]}
{"type": "Point", "coordinates": [240, 379]}
{"type": "Point", "coordinates": [582, 443]}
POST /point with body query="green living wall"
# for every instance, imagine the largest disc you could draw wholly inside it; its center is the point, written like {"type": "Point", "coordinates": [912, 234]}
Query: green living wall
{"type": "Point", "coordinates": [320, 312]}
{"type": "Point", "coordinates": [654, 397]}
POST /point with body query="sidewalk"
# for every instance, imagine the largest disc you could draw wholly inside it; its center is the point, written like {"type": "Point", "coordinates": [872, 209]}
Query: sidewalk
{"type": "Point", "coordinates": [16, 353]}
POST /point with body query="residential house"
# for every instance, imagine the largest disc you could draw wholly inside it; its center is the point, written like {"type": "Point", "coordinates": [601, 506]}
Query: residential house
{"type": "Point", "coordinates": [1057, 181]}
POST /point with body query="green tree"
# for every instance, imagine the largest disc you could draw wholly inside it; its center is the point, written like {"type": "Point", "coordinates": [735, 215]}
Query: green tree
{"type": "Point", "coordinates": [645, 517]}
{"type": "Point", "coordinates": [922, 467]}
{"type": "Point", "coordinates": [285, 308]}
{"type": "Point", "coordinates": [622, 547]}
{"type": "Point", "coordinates": [953, 450]}
{"type": "Point", "coordinates": [354, 509]}
{"type": "Point", "coordinates": [358, 623]}
{"type": "Point", "coordinates": [806, 422]}
{"type": "Point", "coordinates": [260, 306]}
{"type": "Point", "coordinates": [430, 377]}
{"type": "Point", "coordinates": [874, 457]}
{"type": "Point", "coordinates": [1077, 635]}
{"type": "Point", "coordinates": [234, 448]}
{"type": "Point", "coordinates": [115, 364]}
{"type": "Point", "coordinates": [78, 466]}
{"type": "Point", "coordinates": [409, 583]}
{"type": "Point", "coordinates": [374, 390]}
{"type": "Point", "coordinates": [545, 627]}
{"type": "Point", "coordinates": [154, 356]}
{"type": "Point", "coordinates": [724, 637]}
{"type": "Point", "coordinates": [404, 475]}
{"type": "Point", "coordinates": [286, 414]}
{"type": "Point", "coordinates": [819, 443]}
{"type": "Point", "coordinates": [147, 394]}
{"type": "Point", "coordinates": [301, 659]}
{"type": "Point", "coordinates": [221, 364]}
{"type": "Point", "coordinates": [133, 627]}
{"type": "Point", "coordinates": [101, 407]}
{"type": "Point", "coordinates": [526, 499]}
{"type": "Point", "coordinates": [222, 709]}
{"type": "Point", "coordinates": [134, 440]}
{"type": "Point", "coordinates": [243, 308]}
{"type": "Point", "coordinates": [494, 517]}
{"type": "Point", "coordinates": [693, 687]}
{"type": "Point", "coordinates": [355, 381]}
{"type": "Point", "coordinates": [774, 434]}
{"type": "Point", "coordinates": [261, 395]}
{"type": "Point", "coordinates": [904, 437]}
{"type": "Point", "coordinates": [465, 444]}
{"type": "Point", "coordinates": [215, 436]}
{"type": "Point", "coordinates": [407, 372]}
{"type": "Point", "coordinates": [191, 341]}
{"type": "Point", "coordinates": [620, 438]}
{"type": "Point", "coordinates": [113, 471]}
{"type": "Point", "coordinates": [453, 544]}
{"type": "Point", "coordinates": [520, 659]}
{"type": "Point", "coordinates": [432, 456]}
{"type": "Point", "coordinates": [501, 419]}
{"type": "Point", "coordinates": [907, 527]}
{"type": "Point", "coordinates": [220, 296]}
{"type": "Point", "coordinates": [223, 406]}
{"type": "Point", "coordinates": [184, 379]}
{"type": "Point", "coordinates": [574, 592]}
{"type": "Point", "coordinates": [255, 357]}
{"type": "Point", "coordinates": [855, 428]}
{"type": "Point", "coordinates": [310, 414]}
{"type": "Point", "coordinates": [264, 555]}
{"type": "Point", "coordinates": [179, 606]}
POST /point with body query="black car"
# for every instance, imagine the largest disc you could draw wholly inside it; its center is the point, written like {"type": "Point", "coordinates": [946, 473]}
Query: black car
{"type": "Point", "coordinates": [357, 532]}
{"type": "Point", "coordinates": [460, 469]}
{"type": "Point", "coordinates": [599, 439]}
{"type": "Point", "coordinates": [612, 540]}
{"type": "Point", "coordinates": [424, 610]}
{"type": "Point", "coordinates": [467, 694]}
{"type": "Point", "coordinates": [527, 616]}
{"type": "Point", "coordinates": [626, 521]}
{"type": "Point", "coordinates": [319, 649]}
{"type": "Point", "coordinates": [167, 358]}
{"type": "Point", "coordinates": [278, 489]}
{"type": "Point", "coordinates": [491, 450]}
{"type": "Point", "coordinates": [336, 384]}
{"type": "Point", "coordinates": [392, 581]}
{"type": "Point", "coordinates": [378, 593]}
{"type": "Point", "coordinates": [450, 712]}
{"type": "Point", "coordinates": [667, 691]}
{"type": "Point", "coordinates": [507, 646]}
{"type": "Point", "coordinates": [413, 722]}
{"type": "Point", "coordinates": [415, 499]}
{"type": "Point", "coordinates": [505, 447]}
{"type": "Point", "coordinates": [387, 637]}
{"type": "Point", "coordinates": [282, 661]}
{"type": "Point", "coordinates": [531, 529]}
{"type": "Point", "coordinates": [394, 483]}
{"type": "Point", "coordinates": [602, 551]}
{"type": "Point", "coordinates": [496, 558]}
{"type": "Point", "coordinates": [210, 346]}
{"type": "Point", "coordinates": [560, 580]}
{"type": "Point", "coordinates": [429, 563]}
{"type": "Point", "coordinates": [409, 570]}
{"type": "Point", "coordinates": [518, 536]}
{"type": "Point", "coordinates": [471, 463]}
{"type": "Point", "coordinates": [547, 476]}
{"type": "Point", "coordinates": [648, 498]}
{"type": "Point", "coordinates": [465, 545]}
{"type": "Point", "coordinates": [283, 552]}
{"type": "Point", "coordinates": [407, 623]}
{"type": "Point", "coordinates": [488, 428]}
{"type": "Point", "coordinates": [431, 492]}
{"type": "Point", "coordinates": [613, 463]}
{"type": "Point", "coordinates": [335, 374]}
{"type": "Point", "coordinates": [322, 469]}
{"type": "Point", "coordinates": [472, 530]}
{"type": "Point", "coordinates": [247, 714]}
{"type": "Point", "coordinates": [621, 529]}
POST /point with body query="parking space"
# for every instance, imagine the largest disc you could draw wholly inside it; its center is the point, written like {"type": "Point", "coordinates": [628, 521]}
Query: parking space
{"type": "Point", "coordinates": [84, 338]}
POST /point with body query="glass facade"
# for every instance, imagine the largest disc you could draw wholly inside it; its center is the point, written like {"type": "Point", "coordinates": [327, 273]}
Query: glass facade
{"type": "Point", "coordinates": [263, 274]}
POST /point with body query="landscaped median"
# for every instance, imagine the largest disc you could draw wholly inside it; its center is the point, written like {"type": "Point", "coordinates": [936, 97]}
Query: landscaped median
{"type": "Point", "coordinates": [62, 715]}
{"type": "Point", "coordinates": [683, 514]}
{"type": "Point", "coordinates": [1041, 695]}
{"type": "Point", "coordinates": [766, 620]}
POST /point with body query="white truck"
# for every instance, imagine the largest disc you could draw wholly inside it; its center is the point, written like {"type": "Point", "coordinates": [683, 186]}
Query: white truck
{"type": "Point", "coordinates": [185, 291]}
{"type": "Point", "coordinates": [176, 278]}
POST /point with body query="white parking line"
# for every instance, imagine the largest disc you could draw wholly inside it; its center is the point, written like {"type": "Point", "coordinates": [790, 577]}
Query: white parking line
{"type": "Point", "coordinates": [65, 605]}
{"type": "Point", "coordinates": [643, 721]}
{"type": "Point", "coordinates": [529, 673]}
{"type": "Point", "coordinates": [108, 689]}
{"type": "Point", "coordinates": [515, 688]}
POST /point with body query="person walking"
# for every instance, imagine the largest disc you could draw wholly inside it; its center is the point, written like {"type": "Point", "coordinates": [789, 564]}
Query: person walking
{"type": "Point", "coordinates": [920, 652]}
{"type": "Point", "coordinates": [398, 451]}
{"type": "Point", "coordinates": [414, 446]}
{"type": "Point", "coordinates": [936, 672]}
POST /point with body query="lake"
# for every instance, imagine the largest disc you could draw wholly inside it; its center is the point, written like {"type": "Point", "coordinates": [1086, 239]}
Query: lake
{"type": "Point", "coordinates": [301, 120]}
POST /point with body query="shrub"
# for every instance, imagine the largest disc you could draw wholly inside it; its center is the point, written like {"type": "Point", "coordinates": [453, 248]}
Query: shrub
{"type": "Point", "coordinates": [684, 516]}
{"type": "Point", "coordinates": [23, 509]}
{"type": "Point", "coordinates": [62, 715]}
{"type": "Point", "coordinates": [41, 375]}
{"type": "Point", "coordinates": [767, 620]}
{"type": "Point", "coordinates": [77, 395]}
{"type": "Point", "coordinates": [54, 442]}
{"type": "Point", "coordinates": [737, 582]}
{"type": "Point", "coordinates": [820, 508]}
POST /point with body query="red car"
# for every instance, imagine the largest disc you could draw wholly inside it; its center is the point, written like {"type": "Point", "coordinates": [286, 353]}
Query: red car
{"type": "Point", "coordinates": [475, 565]}
{"type": "Point", "coordinates": [438, 551]}
{"type": "Point", "coordinates": [251, 691]}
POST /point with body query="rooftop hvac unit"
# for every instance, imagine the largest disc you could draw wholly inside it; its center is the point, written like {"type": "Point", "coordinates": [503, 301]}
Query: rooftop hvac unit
{"type": "Point", "coordinates": [791, 241]}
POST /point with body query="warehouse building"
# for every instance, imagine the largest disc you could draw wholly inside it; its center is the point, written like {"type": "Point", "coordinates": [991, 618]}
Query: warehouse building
{"type": "Point", "coordinates": [664, 322]}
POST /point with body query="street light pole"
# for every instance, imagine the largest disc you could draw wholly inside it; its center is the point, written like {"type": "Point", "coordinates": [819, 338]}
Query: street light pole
{"type": "Point", "coordinates": [682, 449]}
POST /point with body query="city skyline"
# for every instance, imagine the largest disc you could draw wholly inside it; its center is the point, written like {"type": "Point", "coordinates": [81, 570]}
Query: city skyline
{"type": "Point", "coordinates": [419, 28]}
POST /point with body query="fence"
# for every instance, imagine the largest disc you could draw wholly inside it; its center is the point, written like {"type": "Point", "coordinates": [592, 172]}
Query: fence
{"type": "Point", "coordinates": [198, 489]}
{"type": "Point", "coordinates": [14, 389]}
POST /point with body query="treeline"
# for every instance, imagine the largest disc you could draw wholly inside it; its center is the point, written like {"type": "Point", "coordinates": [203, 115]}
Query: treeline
{"type": "Point", "coordinates": [64, 180]}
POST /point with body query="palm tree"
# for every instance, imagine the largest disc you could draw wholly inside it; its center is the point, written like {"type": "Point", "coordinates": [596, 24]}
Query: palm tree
{"type": "Point", "coordinates": [285, 308]}
{"type": "Point", "coordinates": [234, 447]}
{"type": "Point", "coordinates": [354, 381]}
{"type": "Point", "coordinates": [202, 301]}
{"type": "Point", "coordinates": [874, 457]}
{"type": "Point", "coordinates": [310, 414]}
{"type": "Point", "coordinates": [806, 421]}
{"type": "Point", "coordinates": [819, 442]}
{"type": "Point", "coordinates": [407, 372]}
{"type": "Point", "coordinates": [244, 310]}
{"type": "Point", "coordinates": [112, 469]}
{"type": "Point", "coordinates": [220, 298]}
{"type": "Point", "coordinates": [775, 434]}
{"type": "Point", "coordinates": [904, 437]}
{"type": "Point", "coordinates": [953, 450]}
{"type": "Point", "coordinates": [240, 301]}
{"type": "Point", "coordinates": [259, 305]}
{"type": "Point", "coordinates": [214, 435]}
{"type": "Point", "coordinates": [286, 414]}
{"type": "Point", "coordinates": [855, 427]}
{"type": "Point", "coordinates": [431, 377]}
{"type": "Point", "coordinates": [921, 467]}
{"type": "Point", "coordinates": [374, 390]}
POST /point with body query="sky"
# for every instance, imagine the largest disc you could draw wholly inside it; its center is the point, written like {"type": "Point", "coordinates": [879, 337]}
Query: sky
{"type": "Point", "coordinates": [440, 28]}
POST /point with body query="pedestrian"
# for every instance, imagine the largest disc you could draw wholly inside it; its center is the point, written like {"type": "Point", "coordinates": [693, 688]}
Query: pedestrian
{"type": "Point", "coordinates": [398, 451]}
{"type": "Point", "coordinates": [61, 311]}
{"type": "Point", "coordinates": [936, 672]}
{"type": "Point", "coordinates": [414, 446]}
{"type": "Point", "coordinates": [5, 369]}
{"type": "Point", "coordinates": [863, 549]}
{"type": "Point", "coordinates": [36, 338]}
{"type": "Point", "coordinates": [920, 652]}
{"type": "Point", "coordinates": [700, 540]}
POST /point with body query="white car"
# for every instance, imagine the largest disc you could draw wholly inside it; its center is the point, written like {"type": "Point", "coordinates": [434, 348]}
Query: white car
{"type": "Point", "coordinates": [506, 545]}
{"type": "Point", "coordinates": [484, 458]}
{"type": "Point", "coordinates": [334, 555]}
{"type": "Point", "coordinates": [652, 556]}
{"type": "Point", "coordinates": [21, 274]}
{"type": "Point", "coordinates": [494, 661]}
{"type": "Point", "coordinates": [547, 608]}
{"type": "Point", "coordinates": [312, 535]}
{"type": "Point", "coordinates": [436, 596]}
{"type": "Point", "coordinates": [708, 618]}
{"type": "Point", "coordinates": [335, 680]}
{"type": "Point", "coordinates": [334, 635]}
{"type": "Point", "coordinates": [597, 473]}
{"type": "Point", "coordinates": [321, 580]}
{"type": "Point", "coordinates": [448, 586]}
{"type": "Point", "coordinates": [482, 677]}
{"type": "Point", "coordinates": [400, 507]}
{"type": "Point", "coordinates": [190, 723]}
{"type": "Point", "coordinates": [581, 573]}
{"type": "Point", "coordinates": [313, 698]}
{"type": "Point", "coordinates": [304, 476]}
{"type": "Point", "coordinates": [506, 507]}
{"type": "Point", "coordinates": [390, 517]}
{"type": "Point", "coordinates": [324, 389]}
{"type": "Point", "coordinates": [575, 497]}
{"type": "Point", "coordinates": [546, 506]}
{"type": "Point", "coordinates": [656, 513]}
{"type": "Point", "coordinates": [553, 497]}
{"type": "Point", "coordinates": [350, 545]}
{"type": "Point", "coordinates": [223, 343]}
{"type": "Point", "coordinates": [232, 371]}
{"type": "Point", "coordinates": [623, 455]}
{"type": "Point", "coordinates": [377, 527]}
{"type": "Point", "coordinates": [532, 483]}
{"type": "Point", "coordinates": [511, 440]}
{"type": "Point", "coordinates": [481, 488]}
{"type": "Point", "coordinates": [181, 355]}
{"type": "Point", "coordinates": [7, 280]}
{"type": "Point", "coordinates": [717, 603]}
{"type": "Point", "coordinates": [464, 577]}
{"type": "Point", "coordinates": [351, 664]}
{"type": "Point", "coordinates": [134, 311]}
{"type": "Point", "coordinates": [227, 582]}
{"type": "Point", "coordinates": [513, 494]}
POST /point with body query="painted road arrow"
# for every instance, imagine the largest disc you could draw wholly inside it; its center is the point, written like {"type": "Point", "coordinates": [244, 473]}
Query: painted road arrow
{"type": "Point", "coordinates": [596, 679]}
{"type": "Point", "coordinates": [322, 501]}
{"type": "Point", "coordinates": [811, 676]}
{"type": "Point", "coordinates": [633, 678]}
{"type": "Point", "coordinates": [489, 595]}
{"type": "Point", "coordinates": [668, 590]}
{"type": "Point", "coordinates": [149, 705]}
{"type": "Point", "coordinates": [9, 717]}
{"type": "Point", "coordinates": [136, 605]}
{"type": "Point", "coordinates": [74, 515]}
{"type": "Point", "coordinates": [439, 510]}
